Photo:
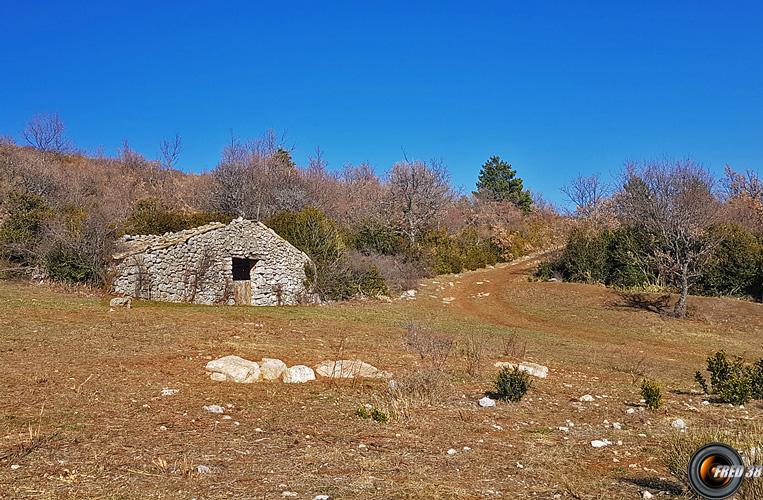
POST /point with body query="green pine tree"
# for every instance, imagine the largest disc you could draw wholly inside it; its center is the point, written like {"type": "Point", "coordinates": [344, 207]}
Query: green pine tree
{"type": "Point", "coordinates": [499, 182]}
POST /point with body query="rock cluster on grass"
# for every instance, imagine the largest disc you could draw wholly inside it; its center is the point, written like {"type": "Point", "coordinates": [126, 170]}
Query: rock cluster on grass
{"type": "Point", "coordinates": [237, 369]}
{"type": "Point", "coordinates": [533, 369]}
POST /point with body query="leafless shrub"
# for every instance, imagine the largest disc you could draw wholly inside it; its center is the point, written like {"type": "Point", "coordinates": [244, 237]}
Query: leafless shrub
{"type": "Point", "coordinates": [46, 133]}
{"type": "Point", "coordinates": [142, 283]}
{"type": "Point", "coordinates": [399, 274]}
{"type": "Point", "coordinates": [169, 150]}
{"type": "Point", "coordinates": [418, 194]}
{"type": "Point", "coordinates": [513, 347]}
{"type": "Point", "coordinates": [473, 351]}
{"type": "Point", "coordinates": [433, 349]}
{"type": "Point", "coordinates": [197, 273]}
{"type": "Point", "coordinates": [587, 194]}
{"type": "Point", "coordinates": [417, 387]}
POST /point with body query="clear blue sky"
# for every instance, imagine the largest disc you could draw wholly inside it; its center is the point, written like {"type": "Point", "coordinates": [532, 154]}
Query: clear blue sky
{"type": "Point", "coordinates": [556, 88]}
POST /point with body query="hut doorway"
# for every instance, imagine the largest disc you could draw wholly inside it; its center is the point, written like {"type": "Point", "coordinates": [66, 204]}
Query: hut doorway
{"type": "Point", "coordinates": [242, 280]}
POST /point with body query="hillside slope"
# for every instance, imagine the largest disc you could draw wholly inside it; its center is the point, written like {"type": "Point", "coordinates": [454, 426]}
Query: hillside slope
{"type": "Point", "coordinates": [86, 415]}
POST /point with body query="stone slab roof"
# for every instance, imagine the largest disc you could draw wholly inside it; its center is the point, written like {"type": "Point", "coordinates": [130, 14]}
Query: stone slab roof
{"type": "Point", "coordinates": [135, 244]}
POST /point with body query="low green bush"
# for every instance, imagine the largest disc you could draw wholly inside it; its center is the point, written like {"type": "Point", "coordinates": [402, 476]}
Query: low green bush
{"type": "Point", "coordinates": [368, 412]}
{"type": "Point", "coordinates": [731, 379]}
{"type": "Point", "coordinates": [651, 393]}
{"type": "Point", "coordinates": [511, 384]}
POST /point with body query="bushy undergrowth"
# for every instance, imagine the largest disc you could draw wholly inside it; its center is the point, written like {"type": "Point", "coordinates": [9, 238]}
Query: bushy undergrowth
{"type": "Point", "coordinates": [623, 258]}
{"type": "Point", "coordinates": [152, 216]}
{"type": "Point", "coordinates": [732, 379]}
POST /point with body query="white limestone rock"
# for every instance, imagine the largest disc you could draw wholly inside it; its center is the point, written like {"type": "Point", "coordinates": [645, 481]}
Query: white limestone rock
{"type": "Point", "coordinates": [234, 369]}
{"type": "Point", "coordinates": [272, 368]}
{"type": "Point", "coordinates": [298, 374]}
{"type": "Point", "coordinates": [486, 402]}
{"type": "Point", "coordinates": [533, 369]}
{"type": "Point", "coordinates": [121, 302]}
{"type": "Point", "coordinates": [349, 368]}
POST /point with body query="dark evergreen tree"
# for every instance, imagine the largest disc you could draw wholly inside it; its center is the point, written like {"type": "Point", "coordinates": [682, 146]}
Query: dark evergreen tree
{"type": "Point", "coordinates": [498, 181]}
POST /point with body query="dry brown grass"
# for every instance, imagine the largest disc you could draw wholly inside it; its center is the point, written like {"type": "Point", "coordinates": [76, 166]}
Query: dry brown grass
{"type": "Point", "coordinates": [99, 376]}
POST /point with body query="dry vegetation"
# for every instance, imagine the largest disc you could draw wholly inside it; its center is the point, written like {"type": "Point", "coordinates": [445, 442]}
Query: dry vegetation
{"type": "Point", "coordinates": [84, 415]}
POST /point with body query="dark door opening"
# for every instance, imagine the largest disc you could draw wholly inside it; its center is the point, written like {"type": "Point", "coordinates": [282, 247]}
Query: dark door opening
{"type": "Point", "coordinates": [242, 284]}
{"type": "Point", "coordinates": [242, 269]}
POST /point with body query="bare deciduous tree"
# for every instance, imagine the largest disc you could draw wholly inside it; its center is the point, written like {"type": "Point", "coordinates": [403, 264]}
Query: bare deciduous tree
{"type": "Point", "coordinates": [675, 203]}
{"type": "Point", "coordinates": [587, 194]}
{"type": "Point", "coordinates": [46, 133]}
{"type": "Point", "coordinates": [418, 194]}
{"type": "Point", "coordinates": [257, 179]}
{"type": "Point", "coordinates": [169, 150]}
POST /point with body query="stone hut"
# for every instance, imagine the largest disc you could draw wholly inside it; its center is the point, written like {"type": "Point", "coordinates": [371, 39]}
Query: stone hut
{"type": "Point", "coordinates": [243, 262]}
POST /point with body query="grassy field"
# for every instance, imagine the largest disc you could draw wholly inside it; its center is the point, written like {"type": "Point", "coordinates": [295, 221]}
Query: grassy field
{"type": "Point", "coordinates": [83, 414]}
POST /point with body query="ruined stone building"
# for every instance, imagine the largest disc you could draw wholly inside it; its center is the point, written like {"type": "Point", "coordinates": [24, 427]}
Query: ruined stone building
{"type": "Point", "coordinates": [243, 262]}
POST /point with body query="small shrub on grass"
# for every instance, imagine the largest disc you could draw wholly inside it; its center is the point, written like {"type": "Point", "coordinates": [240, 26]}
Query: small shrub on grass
{"type": "Point", "coordinates": [368, 412]}
{"type": "Point", "coordinates": [511, 384]}
{"type": "Point", "coordinates": [736, 390]}
{"type": "Point", "coordinates": [651, 392]}
{"type": "Point", "coordinates": [722, 368]}
{"type": "Point", "coordinates": [731, 379]}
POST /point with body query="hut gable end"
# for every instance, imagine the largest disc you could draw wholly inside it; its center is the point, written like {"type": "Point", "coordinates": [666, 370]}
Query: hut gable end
{"type": "Point", "coordinates": [243, 262]}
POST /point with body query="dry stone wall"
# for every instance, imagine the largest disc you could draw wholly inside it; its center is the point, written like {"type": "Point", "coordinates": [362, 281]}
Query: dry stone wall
{"type": "Point", "coordinates": [196, 265]}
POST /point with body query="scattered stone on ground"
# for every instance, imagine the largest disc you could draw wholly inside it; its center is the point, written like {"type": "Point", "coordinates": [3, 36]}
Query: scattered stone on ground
{"type": "Point", "coordinates": [166, 391]}
{"type": "Point", "coordinates": [679, 424]}
{"type": "Point", "coordinates": [298, 374]}
{"type": "Point", "coordinates": [600, 443]}
{"type": "Point", "coordinates": [272, 368]}
{"type": "Point", "coordinates": [289, 494]}
{"type": "Point", "coordinates": [321, 497]}
{"type": "Point", "coordinates": [533, 369]}
{"type": "Point", "coordinates": [235, 369]}
{"type": "Point", "coordinates": [487, 402]}
{"type": "Point", "coordinates": [408, 295]}
{"type": "Point", "coordinates": [214, 409]}
{"type": "Point", "coordinates": [646, 494]}
{"type": "Point", "coordinates": [349, 368]}
{"type": "Point", "coordinates": [452, 451]}
{"type": "Point", "coordinates": [121, 302]}
{"type": "Point", "coordinates": [586, 397]}
{"type": "Point", "coordinates": [15, 467]}
{"type": "Point", "coordinates": [203, 469]}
